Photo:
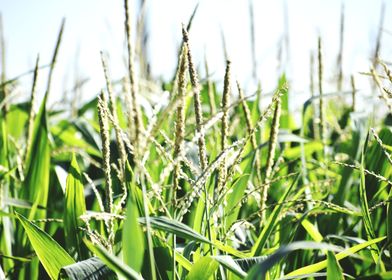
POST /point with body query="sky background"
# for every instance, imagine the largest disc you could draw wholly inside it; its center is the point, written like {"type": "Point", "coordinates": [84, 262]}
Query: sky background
{"type": "Point", "coordinates": [31, 28]}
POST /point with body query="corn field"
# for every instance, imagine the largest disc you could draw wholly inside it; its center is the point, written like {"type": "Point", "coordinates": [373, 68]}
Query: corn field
{"type": "Point", "coordinates": [216, 183]}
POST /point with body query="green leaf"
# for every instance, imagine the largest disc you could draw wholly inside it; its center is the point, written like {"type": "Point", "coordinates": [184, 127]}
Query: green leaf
{"type": "Point", "coordinates": [228, 249]}
{"type": "Point", "coordinates": [376, 161]}
{"type": "Point", "coordinates": [309, 147]}
{"type": "Point", "coordinates": [3, 142]}
{"type": "Point", "coordinates": [17, 117]}
{"type": "Point", "coordinates": [182, 230]}
{"type": "Point", "coordinates": [334, 271]}
{"type": "Point", "coordinates": [363, 198]}
{"type": "Point", "coordinates": [36, 184]}
{"type": "Point", "coordinates": [284, 136]}
{"type": "Point", "coordinates": [238, 189]}
{"type": "Point", "coordinates": [231, 264]}
{"type": "Point", "coordinates": [258, 271]}
{"type": "Point", "coordinates": [184, 262]}
{"type": "Point", "coordinates": [311, 276]}
{"type": "Point", "coordinates": [133, 236]}
{"type": "Point", "coordinates": [20, 259]}
{"type": "Point", "coordinates": [89, 269]}
{"type": "Point", "coordinates": [5, 222]}
{"type": "Point", "coordinates": [389, 219]}
{"type": "Point", "coordinates": [286, 120]}
{"type": "Point", "coordinates": [312, 230]}
{"type": "Point", "coordinates": [379, 276]}
{"type": "Point", "coordinates": [51, 255]}
{"type": "Point", "coordinates": [271, 223]}
{"type": "Point", "coordinates": [323, 264]}
{"type": "Point", "coordinates": [68, 135]}
{"type": "Point", "coordinates": [113, 262]}
{"type": "Point", "coordinates": [20, 203]}
{"type": "Point", "coordinates": [365, 208]}
{"type": "Point", "coordinates": [75, 206]}
{"type": "Point", "coordinates": [204, 268]}
{"type": "Point", "coordinates": [175, 227]}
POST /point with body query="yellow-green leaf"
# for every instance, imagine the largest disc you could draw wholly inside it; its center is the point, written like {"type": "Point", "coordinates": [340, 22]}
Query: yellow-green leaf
{"type": "Point", "coordinates": [51, 255]}
{"type": "Point", "coordinates": [323, 264]}
{"type": "Point", "coordinates": [334, 271]}
{"type": "Point", "coordinates": [204, 268]}
{"type": "Point", "coordinates": [113, 262]}
{"type": "Point", "coordinates": [75, 206]}
{"type": "Point", "coordinates": [133, 236]}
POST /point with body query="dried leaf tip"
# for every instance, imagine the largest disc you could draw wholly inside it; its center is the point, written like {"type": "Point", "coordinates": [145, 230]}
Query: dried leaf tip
{"type": "Point", "coordinates": [185, 35]}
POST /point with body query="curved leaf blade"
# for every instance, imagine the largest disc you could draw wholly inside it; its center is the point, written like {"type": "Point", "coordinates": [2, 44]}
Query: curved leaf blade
{"type": "Point", "coordinates": [36, 184]}
{"type": "Point", "coordinates": [133, 236]}
{"type": "Point", "coordinates": [75, 206]}
{"type": "Point", "coordinates": [334, 271]}
{"type": "Point", "coordinates": [113, 262]}
{"type": "Point", "coordinates": [52, 256]}
{"type": "Point", "coordinates": [323, 264]}
{"type": "Point", "coordinates": [271, 222]}
{"type": "Point", "coordinates": [258, 271]}
{"type": "Point", "coordinates": [90, 269]}
{"type": "Point", "coordinates": [204, 268]}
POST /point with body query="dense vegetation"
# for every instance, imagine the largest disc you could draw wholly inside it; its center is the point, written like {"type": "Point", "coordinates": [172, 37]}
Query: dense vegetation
{"type": "Point", "coordinates": [209, 185]}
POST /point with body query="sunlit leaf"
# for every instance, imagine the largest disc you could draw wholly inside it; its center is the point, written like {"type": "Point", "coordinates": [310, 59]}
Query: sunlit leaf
{"type": "Point", "coordinates": [75, 206]}
{"type": "Point", "coordinates": [51, 255]}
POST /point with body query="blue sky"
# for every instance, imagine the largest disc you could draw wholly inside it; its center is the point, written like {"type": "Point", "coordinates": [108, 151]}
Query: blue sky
{"type": "Point", "coordinates": [92, 25]}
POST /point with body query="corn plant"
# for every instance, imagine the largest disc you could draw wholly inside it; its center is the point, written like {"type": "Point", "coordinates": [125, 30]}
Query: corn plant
{"type": "Point", "coordinates": [210, 185]}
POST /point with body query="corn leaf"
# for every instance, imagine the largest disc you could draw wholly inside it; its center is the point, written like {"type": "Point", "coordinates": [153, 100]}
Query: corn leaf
{"type": "Point", "coordinates": [75, 206]}
{"type": "Point", "coordinates": [113, 262]}
{"type": "Point", "coordinates": [334, 271]}
{"type": "Point", "coordinates": [312, 230]}
{"type": "Point", "coordinates": [175, 227]}
{"type": "Point", "coordinates": [232, 264]}
{"type": "Point", "coordinates": [363, 198]}
{"type": "Point", "coordinates": [51, 255]}
{"type": "Point", "coordinates": [365, 207]}
{"type": "Point", "coordinates": [271, 222]}
{"type": "Point", "coordinates": [181, 230]}
{"type": "Point", "coordinates": [89, 269]}
{"type": "Point", "coordinates": [323, 264]}
{"type": "Point", "coordinates": [184, 262]}
{"type": "Point", "coordinates": [204, 268]}
{"type": "Point", "coordinates": [5, 222]}
{"type": "Point", "coordinates": [36, 184]}
{"type": "Point", "coordinates": [258, 271]}
{"type": "Point", "coordinates": [379, 276]}
{"type": "Point", "coordinates": [238, 189]}
{"type": "Point", "coordinates": [133, 236]}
